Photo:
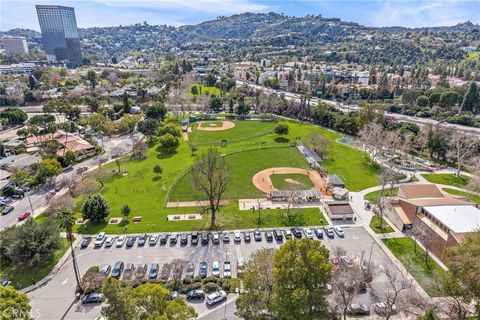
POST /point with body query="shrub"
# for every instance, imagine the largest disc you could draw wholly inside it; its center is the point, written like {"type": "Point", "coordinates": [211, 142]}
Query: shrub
{"type": "Point", "coordinates": [197, 279]}
{"type": "Point", "coordinates": [187, 281]}
{"type": "Point", "coordinates": [210, 287]}
{"type": "Point", "coordinates": [210, 279]}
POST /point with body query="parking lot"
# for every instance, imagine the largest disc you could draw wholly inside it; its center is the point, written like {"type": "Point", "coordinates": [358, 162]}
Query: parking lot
{"type": "Point", "coordinates": [356, 241]}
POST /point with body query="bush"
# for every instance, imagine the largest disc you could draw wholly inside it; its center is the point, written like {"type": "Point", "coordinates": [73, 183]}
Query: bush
{"type": "Point", "coordinates": [211, 287]}
{"type": "Point", "coordinates": [168, 141]}
{"type": "Point", "coordinates": [197, 279]}
{"type": "Point", "coordinates": [187, 281]}
{"type": "Point", "coordinates": [210, 279]}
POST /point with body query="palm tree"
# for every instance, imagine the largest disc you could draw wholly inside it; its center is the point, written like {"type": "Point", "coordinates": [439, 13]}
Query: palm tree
{"type": "Point", "coordinates": [66, 219]}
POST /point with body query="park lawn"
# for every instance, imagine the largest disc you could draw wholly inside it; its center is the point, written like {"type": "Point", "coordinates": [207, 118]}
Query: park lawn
{"type": "Point", "coordinates": [300, 181]}
{"type": "Point", "coordinates": [472, 197]}
{"type": "Point", "coordinates": [447, 178]}
{"type": "Point", "coordinates": [211, 124]}
{"type": "Point", "coordinates": [373, 196]}
{"type": "Point", "coordinates": [426, 275]}
{"type": "Point", "coordinates": [375, 225]}
{"type": "Point", "coordinates": [204, 90]}
{"type": "Point", "coordinates": [22, 277]}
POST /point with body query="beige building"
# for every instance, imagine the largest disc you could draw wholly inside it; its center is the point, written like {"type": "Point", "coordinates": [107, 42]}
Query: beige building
{"type": "Point", "coordinates": [13, 45]}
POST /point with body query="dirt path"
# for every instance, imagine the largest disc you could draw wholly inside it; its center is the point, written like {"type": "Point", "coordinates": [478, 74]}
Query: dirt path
{"type": "Point", "coordinates": [225, 126]}
{"type": "Point", "coordinates": [185, 136]}
{"type": "Point", "coordinates": [262, 180]}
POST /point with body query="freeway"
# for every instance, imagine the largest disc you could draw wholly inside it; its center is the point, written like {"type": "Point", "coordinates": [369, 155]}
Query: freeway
{"type": "Point", "coordinates": [348, 108]}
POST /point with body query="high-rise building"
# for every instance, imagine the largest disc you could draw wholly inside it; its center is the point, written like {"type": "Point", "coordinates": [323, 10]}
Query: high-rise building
{"type": "Point", "coordinates": [59, 33]}
{"type": "Point", "coordinates": [14, 45]}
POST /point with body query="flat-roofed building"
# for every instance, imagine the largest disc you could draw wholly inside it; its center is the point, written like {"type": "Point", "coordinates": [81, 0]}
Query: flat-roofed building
{"type": "Point", "coordinates": [14, 45]}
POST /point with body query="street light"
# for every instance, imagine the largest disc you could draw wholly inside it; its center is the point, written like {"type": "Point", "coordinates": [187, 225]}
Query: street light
{"type": "Point", "coordinates": [371, 250]}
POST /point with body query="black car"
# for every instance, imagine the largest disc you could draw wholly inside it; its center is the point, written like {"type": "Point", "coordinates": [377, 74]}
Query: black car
{"type": "Point", "coordinates": [153, 273]}
{"type": "Point", "coordinates": [184, 239]}
{"type": "Point", "coordinates": [194, 238]}
{"type": "Point", "coordinates": [202, 269]}
{"type": "Point", "coordinates": [278, 234]}
{"type": "Point", "coordinates": [205, 238]}
{"type": "Point", "coordinates": [163, 238]}
{"type": "Point", "coordinates": [297, 233]}
{"type": "Point", "coordinates": [85, 242]}
{"type": "Point", "coordinates": [269, 236]}
{"type": "Point", "coordinates": [173, 239]}
{"type": "Point", "coordinates": [197, 294]}
{"type": "Point", "coordinates": [318, 233]}
{"type": "Point", "coordinates": [246, 236]}
{"type": "Point", "coordinates": [257, 235]}
{"type": "Point", "coordinates": [130, 241]}
{"type": "Point", "coordinates": [92, 298]}
{"type": "Point", "coordinates": [117, 270]}
{"type": "Point", "coordinates": [142, 239]}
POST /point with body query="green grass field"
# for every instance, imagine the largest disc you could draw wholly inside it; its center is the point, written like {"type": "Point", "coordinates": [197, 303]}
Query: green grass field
{"type": "Point", "coordinates": [286, 181]}
{"type": "Point", "coordinates": [375, 225]}
{"type": "Point", "coordinates": [472, 197]}
{"type": "Point", "coordinates": [426, 275]}
{"type": "Point", "coordinates": [204, 90]}
{"type": "Point", "coordinates": [447, 178]}
{"type": "Point", "coordinates": [22, 277]}
{"type": "Point", "coordinates": [146, 192]}
{"type": "Point", "coordinates": [373, 196]}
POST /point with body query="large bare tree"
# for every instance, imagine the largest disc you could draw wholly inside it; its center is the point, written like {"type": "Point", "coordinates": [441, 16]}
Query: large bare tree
{"type": "Point", "coordinates": [388, 178]}
{"type": "Point", "coordinates": [462, 147]}
{"type": "Point", "coordinates": [210, 174]}
{"type": "Point", "coordinates": [346, 283]}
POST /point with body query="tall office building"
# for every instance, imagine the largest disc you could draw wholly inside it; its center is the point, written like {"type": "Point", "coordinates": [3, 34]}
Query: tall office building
{"type": "Point", "coordinates": [59, 33]}
{"type": "Point", "coordinates": [14, 45]}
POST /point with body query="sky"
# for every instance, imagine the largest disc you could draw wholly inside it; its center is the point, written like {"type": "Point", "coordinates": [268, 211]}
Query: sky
{"type": "Point", "coordinates": [376, 13]}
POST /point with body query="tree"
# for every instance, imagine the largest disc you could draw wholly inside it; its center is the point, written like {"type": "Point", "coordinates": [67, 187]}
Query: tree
{"type": "Point", "coordinates": [194, 90]}
{"type": "Point", "coordinates": [48, 168]}
{"type": "Point", "coordinates": [70, 157]}
{"type": "Point", "coordinates": [258, 283]}
{"type": "Point", "coordinates": [194, 149]}
{"type": "Point", "coordinates": [32, 82]}
{"type": "Point", "coordinates": [429, 315]}
{"type": "Point", "coordinates": [139, 149]}
{"type": "Point", "coordinates": [471, 100]}
{"type": "Point", "coordinates": [126, 210]}
{"type": "Point", "coordinates": [216, 104]}
{"type": "Point", "coordinates": [462, 147]}
{"type": "Point", "coordinates": [210, 79]}
{"type": "Point", "coordinates": [210, 175]}
{"type": "Point", "coordinates": [157, 169]}
{"type": "Point", "coordinates": [157, 111]}
{"type": "Point", "coordinates": [319, 143]}
{"type": "Point", "coordinates": [301, 270]}
{"type": "Point", "coordinates": [92, 77]}
{"type": "Point", "coordinates": [95, 208]}
{"type": "Point", "coordinates": [126, 102]}
{"type": "Point", "coordinates": [169, 128]}
{"type": "Point", "coordinates": [14, 304]}
{"type": "Point", "coordinates": [120, 305]}
{"type": "Point", "coordinates": [92, 103]}
{"type": "Point", "coordinates": [388, 178]}
{"type": "Point", "coordinates": [66, 220]}
{"type": "Point", "coordinates": [448, 99]}
{"type": "Point", "coordinates": [13, 116]}
{"type": "Point", "coordinates": [31, 243]}
{"type": "Point", "coordinates": [422, 101]}
{"type": "Point", "coordinates": [281, 129]}
{"type": "Point", "coordinates": [168, 141]}
{"type": "Point", "coordinates": [148, 127]}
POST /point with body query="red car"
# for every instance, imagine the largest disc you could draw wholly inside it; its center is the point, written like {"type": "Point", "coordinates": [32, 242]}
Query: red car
{"type": "Point", "coordinates": [24, 216]}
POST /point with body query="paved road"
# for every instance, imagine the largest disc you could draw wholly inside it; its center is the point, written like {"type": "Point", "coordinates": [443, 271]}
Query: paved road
{"type": "Point", "coordinates": [60, 289]}
{"type": "Point", "coordinates": [347, 108]}
{"type": "Point", "coordinates": [38, 196]}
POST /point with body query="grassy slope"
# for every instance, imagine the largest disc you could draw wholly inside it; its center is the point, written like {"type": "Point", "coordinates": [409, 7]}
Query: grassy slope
{"type": "Point", "coordinates": [205, 90]}
{"type": "Point", "coordinates": [472, 197]}
{"type": "Point", "coordinates": [403, 249]}
{"type": "Point", "coordinates": [21, 277]}
{"type": "Point", "coordinates": [375, 225]}
{"type": "Point", "coordinates": [373, 196]}
{"type": "Point", "coordinates": [278, 181]}
{"type": "Point", "coordinates": [447, 178]}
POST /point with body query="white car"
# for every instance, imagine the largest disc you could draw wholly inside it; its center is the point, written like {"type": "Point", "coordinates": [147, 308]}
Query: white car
{"type": "Point", "coordinates": [329, 231]}
{"type": "Point", "coordinates": [216, 238]}
{"type": "Point", "coordinates": [308, 233]}
{"type": "Point", "coordinates": [153, 240]}
{"type": "Point", "coordinates": [216, 269]}
{"type": "Point", "coordinates": [216, 297]}
{"type": "Point", "coordinates": [382, 307]}
{"type": "Point", "coordinates": [120, 241]}
{"type": "Point", "coordinates": [227, 269]}
{"type": "Point", "coordinates": [240, 265]}
{"type": "Point", "coordinates": [109, 242]}
{"type": "Point", "coordinates": [100, 239]}
{"type": "Point", "coordinates": [339, 232]}
{"type": "Point", "coordinates": [237, 237]}
{"type": "Point", "coordinates": [288, 233]}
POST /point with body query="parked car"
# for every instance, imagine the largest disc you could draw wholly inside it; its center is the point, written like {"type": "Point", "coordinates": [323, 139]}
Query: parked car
{"type": "Point", "coordinates": [142, 239]}
{"type": "Point", "coordinates": [361, 287]}
{"type": "Point", "coordinates": [163, 239]}
{"type": "Point", "coordinates": [120, 241]}
{"type": "Point", "coordinates": [339, 231]}
{"type": "Point", "coordinates": [194, 238]}
{"type": "Point", "coordinates": [358, 309]}
{"type": "Point", "coordinates": [24, 216]}
{"type": "Point", "coordinates": [308, 233]}
{"type": "Point", "coordinates": [140, 270]}
{"type": "Point", "coordinates": [215, 237]}
{"type": "Point", "coordinates": [92, 298]}
{"type": "Point", "coordinates": [130, 241]}
{"type": "Point", "coordinates": [296, 232]}
{"type": "Point", "coordinates": [117, 270]}
{"type": "Point", "coordinates": [269, 236]}
{"type": "Point", "coordinates": [384, 307]}
{"type": "Point", "coordinates": [216, 269]}
{"type": "Point", "coordinates": [278, 234]}
{"type": "Point", "coordinates": [257, 235]}
{"type": "Point", "coordinates": [153, 273]}
{"type": "Point", "coordinates": [335, 261]}
{"type": "Point", "coordinates": [216, 297]}
{"type": "Point", "coordinates": [197, 294]}
{"type": "Point", "coordinates": [153, 240]}
{"type": "Point", "coordinates": [128, 272]}
{"type": "Point", "coordinates": [227, 269]}
{"type": "Point", "coordinates": [246, 236]}
{"type": "Point", "coordinates": [205, 238]}
{"type": "Point", "coordinates": [105, 269]}
{"type": "Point", "coordinates": [184, 239]}
{"type": "Point", "coordinates": [288, 234]}
{"type": "Point", "coordinates": [99, 240]}
{"type": "Point", "coordinates": [85, 242]}
{"type": "Point", "coordinates": [166, 270]}
{"type": "Point", "coordinates": [109, 242]}
{"type": "Point", "coordinates": [202, 269]}
{"type": "Point", "coordinates": [226, 237]}
{"type": "Point", "coordinates": [347, 261]}
{"type": "Point", "coordinates": [190, 271]}
{"type": "Point", "coordinates": [329, 231]}
{"type": "Point", "coordinates": [236, 236]}
{"type": "Point", "coordinates": [173, 239]}
{"type": "Point", "coordinates": [318, 232]}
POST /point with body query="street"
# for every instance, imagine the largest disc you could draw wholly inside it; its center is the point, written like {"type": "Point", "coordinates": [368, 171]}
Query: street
{"type": "Point", "coordinates": [60, 288]}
